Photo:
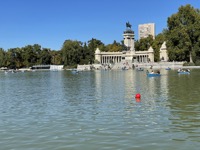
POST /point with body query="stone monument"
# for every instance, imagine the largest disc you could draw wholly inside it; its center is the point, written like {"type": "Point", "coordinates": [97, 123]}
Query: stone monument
{"type": "Point", "coordinates": [129, 37]}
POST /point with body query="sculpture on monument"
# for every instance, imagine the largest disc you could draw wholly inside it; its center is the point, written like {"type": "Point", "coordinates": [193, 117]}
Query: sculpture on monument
{"type": "Point", "coordinates": [128, 25]}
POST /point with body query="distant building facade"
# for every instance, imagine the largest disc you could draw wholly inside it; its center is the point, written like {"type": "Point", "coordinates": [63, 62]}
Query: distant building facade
{"type": "Point", "coordinates": [144, 30]}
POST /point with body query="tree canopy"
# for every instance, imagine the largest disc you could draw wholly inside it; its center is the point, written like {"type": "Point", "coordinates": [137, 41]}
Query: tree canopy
{"type": "Point", "coordinates": [183, 34]}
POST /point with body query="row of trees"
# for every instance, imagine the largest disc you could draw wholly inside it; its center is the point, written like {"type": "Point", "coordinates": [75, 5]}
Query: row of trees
{"type": "Point", "coordinates": [182, 37]}
{"type": "Point", "coordinates": [76, 52]}
{"type": "Point", "coordinates": [71, 54]}
{"type": "Point", "coordinates": [28, 56]}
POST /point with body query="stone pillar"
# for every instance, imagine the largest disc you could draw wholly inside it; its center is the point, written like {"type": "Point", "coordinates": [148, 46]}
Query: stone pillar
{"type": "Point", "coordinates": [129, 39]}
{"type": "Point", "coordinates": [98, 55]}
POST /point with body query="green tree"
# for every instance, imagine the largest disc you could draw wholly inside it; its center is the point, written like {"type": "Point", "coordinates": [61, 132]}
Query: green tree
{"type": "Point", "coordinates": [2, 58]}
{"type": "Point", "coordinates": [30, 55]}
{"type": "Point", "coordinates": [71, 51]}
{"type": "Point", "coordinates": [114, 47]}
{"type": "Point", "coordinates": [92, 45]}
{"type": "Point", "coordinates": [13, 58]}
{"type": "Point", "coordinates": [56, 57]}
{"type": "Point", "coordinates": [85, 55]}
{"type": "Point", "coordinates": [144, 43]}
{"type": "Point", "coordinates": [183, 34]}
{"type": "Point", "coordinates": [137, 45]}
{"type": "Point", "coordinates": [37, 52]}
{"type": "Point", "coordinates": [157, 43]}
{"type": "Point", "coordinates": [18, 57]}
{"type": "Point", "coordinates": [45, 57]}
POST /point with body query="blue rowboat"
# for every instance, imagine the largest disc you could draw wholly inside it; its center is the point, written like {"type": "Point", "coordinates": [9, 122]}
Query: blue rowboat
{"type": "Point", "coordinates": [183, 72]}
{"type": "Point", "coordinates": [153, 75]}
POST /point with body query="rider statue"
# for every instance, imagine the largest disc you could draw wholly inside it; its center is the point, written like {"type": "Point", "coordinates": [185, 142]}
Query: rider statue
{"type": "Point", "coordinates": [128, 25]}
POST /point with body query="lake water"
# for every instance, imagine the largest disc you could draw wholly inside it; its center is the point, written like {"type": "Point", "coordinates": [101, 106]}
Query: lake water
{"type": "Point", "coordinates": [97, 110]}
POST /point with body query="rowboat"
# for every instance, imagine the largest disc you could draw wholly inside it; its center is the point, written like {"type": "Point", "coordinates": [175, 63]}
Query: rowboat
{"type": "Point", "coordinates": [168, 68]}
{"type": "Point", "coordinates": [183, 71]}
{"type": "Point", "coordinates": [140, 69]}
{"type": "Point", "coordinates": [153, 75]}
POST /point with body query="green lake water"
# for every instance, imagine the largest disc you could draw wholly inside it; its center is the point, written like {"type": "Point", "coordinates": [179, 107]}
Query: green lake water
{"type": "Point", "coordinates": [97, 110]}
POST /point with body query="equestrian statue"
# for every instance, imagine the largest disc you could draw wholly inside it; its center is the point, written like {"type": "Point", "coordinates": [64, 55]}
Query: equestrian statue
{"type": "Point", "coordinates": [128, 25]}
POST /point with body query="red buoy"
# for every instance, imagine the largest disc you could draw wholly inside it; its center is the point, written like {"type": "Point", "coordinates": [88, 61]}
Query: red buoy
{"type": "Point", "coordinates": [138, 95]}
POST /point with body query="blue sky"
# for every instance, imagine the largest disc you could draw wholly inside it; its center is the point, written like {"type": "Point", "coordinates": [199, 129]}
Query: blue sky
{"type": "Point", "coordinates": [51, 22]}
